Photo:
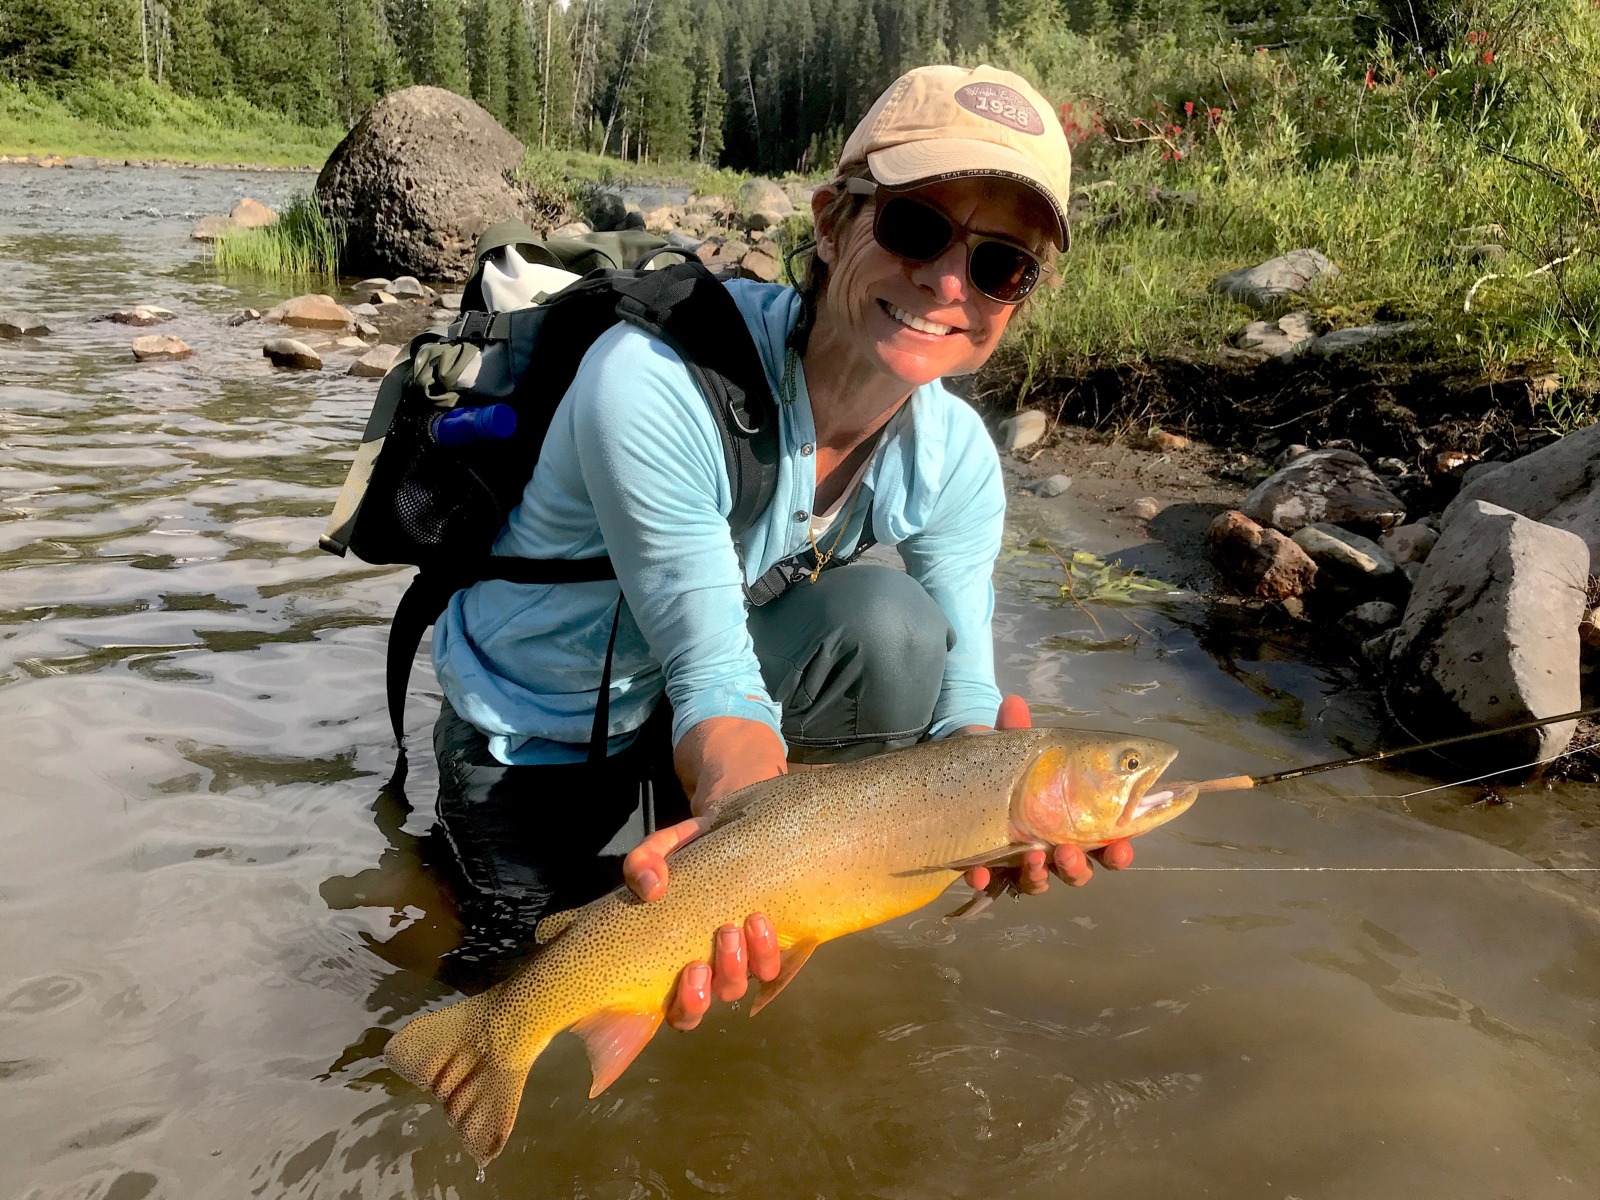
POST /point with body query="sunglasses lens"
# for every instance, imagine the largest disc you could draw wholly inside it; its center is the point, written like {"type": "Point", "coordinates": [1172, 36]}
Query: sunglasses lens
{"type": "Point", "coordinates": [911, 230]}
{"type": "Point", "coordinates": [1004, 273]}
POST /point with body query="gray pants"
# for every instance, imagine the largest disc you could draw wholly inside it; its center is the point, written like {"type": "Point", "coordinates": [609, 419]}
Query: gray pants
{"type": "Point", "coordinates": [854, 660]}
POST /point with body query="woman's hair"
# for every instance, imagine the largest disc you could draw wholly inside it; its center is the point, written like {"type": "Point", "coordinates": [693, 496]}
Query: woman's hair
{"type": "Point", "coordinates": [810, 271]}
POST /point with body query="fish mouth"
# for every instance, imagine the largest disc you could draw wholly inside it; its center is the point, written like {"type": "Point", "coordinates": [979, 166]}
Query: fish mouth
{"type": "Point", "coordinates": [1176, 795]}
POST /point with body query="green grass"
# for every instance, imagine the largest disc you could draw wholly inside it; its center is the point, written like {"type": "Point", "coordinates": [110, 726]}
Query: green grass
{"type": "Point", "coordinates": [143, 121]}
{"type": "Point", "coordinates": [599, 169]}
{"type": "Point", "coordinates": [301, 245]}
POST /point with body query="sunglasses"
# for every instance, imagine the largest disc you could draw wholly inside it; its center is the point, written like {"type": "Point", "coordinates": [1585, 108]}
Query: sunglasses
{"type": "Point", "coordinates": [917, 232]}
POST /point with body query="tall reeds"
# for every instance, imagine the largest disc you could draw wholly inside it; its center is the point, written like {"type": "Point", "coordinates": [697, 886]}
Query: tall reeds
{"type": "Point", "coordinates": [303, 244]}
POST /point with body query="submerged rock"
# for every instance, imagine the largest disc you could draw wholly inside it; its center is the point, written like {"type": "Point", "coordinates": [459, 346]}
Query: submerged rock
{"type": "Point", "coordinates": [1490, 636]}
{"type": "Point", "coordinates": [286, 352]}
{"type": "Point", "coordinates": [158, 347]}
{"type": "Point", "coordinates": [244, 316]}
{"type": "Point", "coordinates": [1259, 561]}
{"type": "Point", "coordinates": [140, 314]}
{"type": "Point", "coordinates": [211, 228]}
{"type": "Point", "coordinates": [21, 324]}
{"type": "Point", "coordinates": [1335, 487]}
{"type": "Point", "coordinates": [315, 311]}
{"type": "Point", "coordinates": [250, 213]}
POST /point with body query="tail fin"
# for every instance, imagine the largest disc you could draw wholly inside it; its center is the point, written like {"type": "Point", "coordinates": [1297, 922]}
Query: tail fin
{"type": "Point", "coordinates": [454, 1054]}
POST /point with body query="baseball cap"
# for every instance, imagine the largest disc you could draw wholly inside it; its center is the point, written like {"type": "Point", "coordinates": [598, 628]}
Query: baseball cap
{"type": "Point", "coordinates": [944, 122]}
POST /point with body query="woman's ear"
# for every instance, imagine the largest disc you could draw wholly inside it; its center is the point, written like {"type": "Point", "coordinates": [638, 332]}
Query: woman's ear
{"type": "Point", "coordinates": [824, 202]}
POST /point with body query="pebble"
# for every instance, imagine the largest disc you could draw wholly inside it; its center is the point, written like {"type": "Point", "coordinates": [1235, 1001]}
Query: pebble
{"type": "Point", "coordinates": [1053, 486]}
{"type": "Point", "coordinates": [1146, 508]}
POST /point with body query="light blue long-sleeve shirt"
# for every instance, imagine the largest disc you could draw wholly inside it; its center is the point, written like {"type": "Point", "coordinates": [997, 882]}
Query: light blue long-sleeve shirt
{"type": "Point", "coordinates": [633, 467]}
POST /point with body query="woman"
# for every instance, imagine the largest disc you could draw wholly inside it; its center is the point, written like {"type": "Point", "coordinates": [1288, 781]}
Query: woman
{"type": "Point", "coordinates": [949, 199]}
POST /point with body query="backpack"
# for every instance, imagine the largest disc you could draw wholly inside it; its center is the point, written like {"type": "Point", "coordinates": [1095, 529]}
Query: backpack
{"type": "Point", "coordinates": [457, 426]}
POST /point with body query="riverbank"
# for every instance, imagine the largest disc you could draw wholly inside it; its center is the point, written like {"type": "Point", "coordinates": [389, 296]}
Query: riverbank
{"type": "Point", "coordinates": [140, 123]}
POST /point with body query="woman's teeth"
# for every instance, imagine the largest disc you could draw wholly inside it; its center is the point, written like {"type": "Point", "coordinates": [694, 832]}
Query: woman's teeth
{"type": "Point", "coordinates": [917, 323]}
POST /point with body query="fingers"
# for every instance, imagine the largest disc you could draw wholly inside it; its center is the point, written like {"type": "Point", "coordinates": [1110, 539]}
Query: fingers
{"type": "Point", "coordinates": [978, 878]}
{"type": "Point", "coordinates": [645, 867]}
{"type": "Point", "coordinates": [728, 977]}
{"type": "Point", "coordinates": [691, 998]}
{"type": "Point", "coordinates": [1073, 865]}
{"type": "Point", "coordinates": [1115, 855]}
{"type": "Point", "coordinates": [1014, 714]}
{"type": "Point", "coordinates": [762, 941]}
{"type": "Point", "coordinates": [1033, 874]}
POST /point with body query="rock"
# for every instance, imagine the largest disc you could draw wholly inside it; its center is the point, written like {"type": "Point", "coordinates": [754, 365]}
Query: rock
{"type": "Point", "coordinates": [763, 204]}
{"type": "Point", "coordinates": [1365, 620]}
{"type": "Point", "coordinates": [572, 229]}
{"type": "Point", "coordinates": [376, 284]}
{"type": "Point", "coordinates": [252, 214]}
{"type": "Point", "coordinates": [1273, 285]}
{"type": "Point", "coordinates": [141, 315]}
{"type": "Point", "coordinates": [363, 310]}
{"type": "Point", "coordinates": [1259, 561]}
{"type": "Point", "coordinates": [760, 264]}
{"type": "Point", "coordinates": [376, 362]}
{"type": "Point", "coordinates": [1390, 466]}
{"type": "Point", "coordinates": [1146, 508]}
{"type": "Point", "coordinates": [158, 347]}
{"type": "Point", "coordinates": [712, 205]}
{"type": "Point", "coordinates": [80, 162]}
{"type": "Point", "coordinates": [1558, 485]}
{"type": "Point", "coordinates": [1487, 252]}
{"type": "Point", "coordinates": [1330, 546]}
{"type": "Point", "coordinates": [211, 228]}
{"type": "Point", "coordinates": [417, 180]}
{"type": "Point", "coordinates": [450, 301]}
{"type": "Point", "coordinates": [1054, 485]}
{"type": "Point", "coordinates": [21, 324]}
{"type": "Point", "coordinates": [1332, 486]}
{"type": "Point", "coordinates": [350, 342]}
{"type": "Point", "coordinates": [1360, 337]}
{"type": "Point", "coordinates": [662, 219]}
{"type": "Point", "coordinates": [408, 287]}
{"type": "Point", "coordinates": [315, 311]}
{"type": "Point", "coordinates": [1589, 629]}
{"type": "Point", "coordinates": [1023, 430]}
{"type": "Point", "coordinates": [1375, 652]}
{"type": "Point", "coordinates": [1290, 452]}
{"type": "Point", "coordinates": [367, 331]}
{"type": "Point", "coordinates": [1451, 462]}
{"type": "Point", "coordinates": [1284, 339]}
{"type": "Point", "coordinates": [380, 297]}
{"type": "Point", "coordinates": [286, 352]}
{"type": "Point", "coordinates": [244, 316]}
{"type": "Point", "coordinates": [608, 211]}
{"type": "Point", "coordinates": [1408, 543]}
{"type": "Point", "coordinates": [1490, 636]}
{"type": "Point", "coordinates": [1478, 469]}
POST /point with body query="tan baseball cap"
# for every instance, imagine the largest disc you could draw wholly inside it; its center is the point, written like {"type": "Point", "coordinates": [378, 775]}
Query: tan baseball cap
{"type": "Point", "coordinates": [945, 122]}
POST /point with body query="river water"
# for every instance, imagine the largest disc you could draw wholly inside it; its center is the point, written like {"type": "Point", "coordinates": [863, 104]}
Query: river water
{"type": "Point", "coordinates": [213, 914]}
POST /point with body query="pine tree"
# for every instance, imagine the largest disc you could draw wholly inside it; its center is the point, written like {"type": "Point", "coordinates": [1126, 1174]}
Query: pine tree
{"type": "Point", "coordinates": [488, 35]}
{"type": "Point", "coordinates": [522, 74]}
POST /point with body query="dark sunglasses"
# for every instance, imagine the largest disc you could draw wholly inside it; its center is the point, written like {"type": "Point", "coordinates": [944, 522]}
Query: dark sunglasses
{"type": "Point", "coordinates": [917, 232]}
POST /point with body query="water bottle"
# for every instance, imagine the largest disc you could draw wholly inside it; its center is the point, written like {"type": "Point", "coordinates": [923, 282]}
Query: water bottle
{"type": "Point", "coordinates": [462, 426]}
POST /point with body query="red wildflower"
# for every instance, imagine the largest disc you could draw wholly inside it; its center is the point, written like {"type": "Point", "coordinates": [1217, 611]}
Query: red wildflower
{"type": "Point", "coordinates": [1188, 108]}
{"type": "Point", "coordinates": [1370, 84]}
{"type": "Point", "coordinates": [1431, 72]}
{"type": "Point", "coordinates": [1488, 57]}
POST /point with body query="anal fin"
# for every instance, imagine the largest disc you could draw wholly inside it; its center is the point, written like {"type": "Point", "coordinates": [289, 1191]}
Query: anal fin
{"type": "Point", "coordinates": [613, 1040]}
{"type": "Point", "coordinates": [793, 958]}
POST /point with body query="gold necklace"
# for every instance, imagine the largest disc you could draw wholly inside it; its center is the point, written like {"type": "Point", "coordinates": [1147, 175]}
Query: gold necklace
{"type": "Point", "coordinates": [824, 558]}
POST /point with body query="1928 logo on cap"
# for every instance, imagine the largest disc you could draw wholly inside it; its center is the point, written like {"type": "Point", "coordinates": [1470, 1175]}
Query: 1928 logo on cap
{"type": "Point", "coordinates": [1003, 105]}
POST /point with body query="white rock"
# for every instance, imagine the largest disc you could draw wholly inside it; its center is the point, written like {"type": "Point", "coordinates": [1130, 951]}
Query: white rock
{"type": "Point", "coordinates": [1146, 508]}
{"type": "Point", "coordinates": [376, 362]}
{"type": "Point", "coordinates": [1344, 341]}
{"type": "Point", "coordinates": [1408, 543]}
{"type": "Point", "coordinates": [1490, 636]}
{"type": "Point", "coordinates": [1558, 485]}
{"type": "Point", "coordinates": [286, 352]}
{"type": "Point", "coordinates": [1023, 430]}
{"type": "Point", "coordinates": [407, 287]}
{"type": "Point", "coordinates": [1053, 486]}
{"type": "Point", "coordinates": [1328, 545]}
{"type": "Point", "coordinates": [1284, 339]}
{"type": "Point", "coordinates": [1272, 285]}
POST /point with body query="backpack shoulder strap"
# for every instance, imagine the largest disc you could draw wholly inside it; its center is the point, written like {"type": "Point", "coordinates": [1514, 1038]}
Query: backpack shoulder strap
{"type": "Point", "coordinates": [687, 307]}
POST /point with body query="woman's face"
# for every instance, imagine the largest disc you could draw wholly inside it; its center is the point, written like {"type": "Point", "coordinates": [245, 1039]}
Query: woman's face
{"type": "Point", "coordinates": [872, 296]}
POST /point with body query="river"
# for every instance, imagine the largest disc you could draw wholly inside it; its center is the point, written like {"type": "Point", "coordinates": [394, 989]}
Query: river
{"type": "Point", "coordinates": [213, 914]}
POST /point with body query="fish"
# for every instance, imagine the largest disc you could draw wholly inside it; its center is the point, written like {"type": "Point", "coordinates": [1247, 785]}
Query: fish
{"type": "Point", "coordinates": [823, 853]}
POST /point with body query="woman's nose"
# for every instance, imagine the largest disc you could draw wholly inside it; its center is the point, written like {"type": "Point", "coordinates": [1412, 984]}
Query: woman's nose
{"type": "Point", "coordinates": [945, 276]}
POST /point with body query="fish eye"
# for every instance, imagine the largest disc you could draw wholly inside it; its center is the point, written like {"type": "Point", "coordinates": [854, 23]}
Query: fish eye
{"type": "Point", "coordinates": [1130, 760]}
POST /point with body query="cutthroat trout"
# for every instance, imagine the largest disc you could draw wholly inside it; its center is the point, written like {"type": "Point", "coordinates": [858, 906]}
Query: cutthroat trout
{"type": "Point", "coordinates": [823, 853]}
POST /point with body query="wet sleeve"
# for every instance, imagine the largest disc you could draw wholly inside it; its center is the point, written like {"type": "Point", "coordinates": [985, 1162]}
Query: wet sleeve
{"type": "Point", "coordinates": [651, 460]}
{"type": "Point", "coordinates": [953, 558]}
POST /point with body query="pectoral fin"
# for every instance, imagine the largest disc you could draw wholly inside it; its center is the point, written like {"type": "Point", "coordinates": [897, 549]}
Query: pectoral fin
{"type": "Point", "coordinates": [1000, 882]}
{"type": "Point", "coordinates": [1001, 856]}
{"type": "Point", "coordinates": [613, 1040]}
{"type": "Point", "coordinates": [793, 958]}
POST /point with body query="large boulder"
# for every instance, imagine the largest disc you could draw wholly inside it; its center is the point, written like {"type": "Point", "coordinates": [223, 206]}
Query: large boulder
{"type": "Point", "coordinates": [1558, 485]}
{"type": "Point", "coordinates": [1490, 636]}
{"type": "Point", "coordinates": [417, 180]}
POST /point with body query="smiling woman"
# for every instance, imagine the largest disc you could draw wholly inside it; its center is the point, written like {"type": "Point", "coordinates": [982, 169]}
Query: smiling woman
{"type": "Point", "coordinates": [947, 203]}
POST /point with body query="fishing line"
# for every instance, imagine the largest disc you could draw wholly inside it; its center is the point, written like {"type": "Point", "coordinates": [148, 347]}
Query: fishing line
{"type": "Point", "coordinates": [1387, 870]}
